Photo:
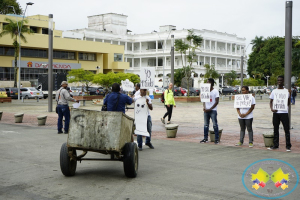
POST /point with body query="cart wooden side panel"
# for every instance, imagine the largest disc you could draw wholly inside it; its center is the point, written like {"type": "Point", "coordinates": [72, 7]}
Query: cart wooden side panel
{"type": "Point", "coordinates": [99, 131]}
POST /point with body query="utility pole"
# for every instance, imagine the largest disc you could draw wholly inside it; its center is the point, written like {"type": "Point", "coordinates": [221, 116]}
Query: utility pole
{"type": "Point", "coordinates": [172, 61]}
{"type": "Point", "coordinates": [242, 70]}
{"type": "Point", "coordinates": [50, 65]}
{"type": "Point", "coordinates": [288, 48]}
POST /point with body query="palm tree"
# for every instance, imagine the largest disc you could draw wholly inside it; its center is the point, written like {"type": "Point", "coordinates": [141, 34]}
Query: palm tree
{"type": "Point", "coordinates": [257, 43]}
{"type": "Point", "coordinates": [12, 29]}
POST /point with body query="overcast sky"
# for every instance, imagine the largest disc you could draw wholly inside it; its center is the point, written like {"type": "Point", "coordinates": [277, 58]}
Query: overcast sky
{"type": "Point", "coordinates": [245, 18]}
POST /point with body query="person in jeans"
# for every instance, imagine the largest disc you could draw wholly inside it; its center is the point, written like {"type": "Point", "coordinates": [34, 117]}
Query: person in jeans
{"type": "Point", "coordinates": [280, 116]}
{"type": "Point", "coordinates": [149, 121]}
{"type": "Point", "coordinates": [210, 111]}
{"type": "Point", "coordinates": [293, 96]}
{"type": "Point", "coordinates": [62, 97]}
{"type": "Point", "coordinates": [169, 103]}
{"type": "Point", "coordinates": [116, 101]}
{"type": "Point", "coordinates": [245, 119]}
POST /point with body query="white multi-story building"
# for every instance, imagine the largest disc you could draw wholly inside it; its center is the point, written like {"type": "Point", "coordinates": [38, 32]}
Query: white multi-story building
{"type": "Point", "coordinates": [223, 50]}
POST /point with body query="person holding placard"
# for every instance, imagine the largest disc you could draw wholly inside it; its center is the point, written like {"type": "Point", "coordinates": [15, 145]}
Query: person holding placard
{"type": "Point", "coordinates": [149, 121]}
{"type": "Point", "coordinates": [169, 103]}
{"type": "Point", "coordinates": [246, 118]}
{"type": "Point", "coordinates": [279, 104]}
{"type": "Point", "coordinates": [210, 111]}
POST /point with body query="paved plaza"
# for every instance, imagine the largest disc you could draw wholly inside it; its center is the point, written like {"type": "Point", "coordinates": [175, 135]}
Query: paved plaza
{"type": "Point", "coordinates": [179, 168]}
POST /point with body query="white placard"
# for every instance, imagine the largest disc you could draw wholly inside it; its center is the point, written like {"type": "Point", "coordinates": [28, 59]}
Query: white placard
{"type": "Point", "coordinates": [280, 101]}
{"type": "Point", "coordinates": [76, 105]}
{"type": "Point", "coordinates": [140, 117]}
{"type": "Point", "coordinates": [205, 92]}
{"type": "Point", "coordinates": [243, 101]}
{"type": "Point", "coordinates": [147, 77]}
{"type": "Point", "coordinates": [127, 86]}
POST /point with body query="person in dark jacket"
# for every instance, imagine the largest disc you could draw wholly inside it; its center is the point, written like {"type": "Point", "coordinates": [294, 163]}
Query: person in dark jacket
{"type": "Point", "coordinates": [116, 101]}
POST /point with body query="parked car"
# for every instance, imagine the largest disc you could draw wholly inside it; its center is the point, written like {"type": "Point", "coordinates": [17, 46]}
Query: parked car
{"type": "Point", "coordinates": [100, 91]}
{"type": "Point", "coordinates": [3, 92]}
{"type": "Point", "coordinates": [74, 91]}
{"type": "Point", "coordinates": [194, 91]}
{"type": "Point", "coordinates": [269, 89]}
{"type": "Point", "coordinates": [31, 93]}
{"type": "Point", "coordinates": [12, 92]}
{"type": "Point", "coordinates": [229, 90]}
{"type": "Point", "coordinates": [179, 91]}
{"type": "Point", "coordinates": [158, 90]}
{"type": "Point", "coordinates": [92, 90]}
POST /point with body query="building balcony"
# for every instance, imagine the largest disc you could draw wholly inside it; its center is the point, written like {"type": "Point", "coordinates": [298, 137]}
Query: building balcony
{"type": "Point", "coordinates": [120, 65]}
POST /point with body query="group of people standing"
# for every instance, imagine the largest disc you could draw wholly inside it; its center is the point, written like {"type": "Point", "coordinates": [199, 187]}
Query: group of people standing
{"type": "Point", "coordinates": [116, 101]}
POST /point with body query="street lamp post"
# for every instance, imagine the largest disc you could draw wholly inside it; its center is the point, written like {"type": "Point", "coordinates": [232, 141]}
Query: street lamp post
{"type": "Point", "coordinates": [19, 33]}
{"type": "Point", "coordinates": [172, 61]}
{"type": "Point", "coordinates": [267, 80]}
{"type": "Point", "coordinates": [164, 53]}
{"type": "Point", "coordinates": [50, 65]}
{"type": "Point", "coordinates": [222, 79]}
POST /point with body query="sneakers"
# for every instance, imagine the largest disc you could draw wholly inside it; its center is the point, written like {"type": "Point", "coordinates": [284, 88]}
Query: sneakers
{"type": "Point", "coordinates": [288, 149]}
{"type": "Point", "coordinates": [250, 145]}
{"type": "Point", "coordinates": [204, 141]}
{"type": "Point", "coordinates": [273, 148]}
{"type": "Point", "coordinates": [217, 142]}
{"type": "Point", "coordinates": [66, 132]}
{"type": "Point", "coordinates": [239, 144]}
{"type": "Point", "coordinates": [150, 145]}
{"type": "Point", "coordinates": [59, 132]}
{"type": "Point", "coordinates": [140, 148]}
{"type": "Point", "coordinates": [162, 120]}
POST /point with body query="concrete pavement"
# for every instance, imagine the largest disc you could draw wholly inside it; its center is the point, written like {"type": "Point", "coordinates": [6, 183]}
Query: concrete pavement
{"type": "Point", "coordinates": [173, 170]}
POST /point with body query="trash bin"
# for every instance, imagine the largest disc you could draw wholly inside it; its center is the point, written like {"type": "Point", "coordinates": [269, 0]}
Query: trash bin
{"type": "Point", "coordinates": [269, 139]}
{"type": "Point", "coordinates": [212, 134]}
{"type": "Point", "coordinates": [171, 130]}
{"type": "Point", "coordinates": [42, 120]}
{"type": "Point", "coordinates": [19, 117]}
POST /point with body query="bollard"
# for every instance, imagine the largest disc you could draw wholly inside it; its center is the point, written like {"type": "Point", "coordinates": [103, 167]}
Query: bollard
{"type": "Point", "coordinates": [19, 117]}
{"type": "Point", "coordinates": [42, 120]}
{"type": "Point", "coordinates": [171, 130]}
{"type": "Point", "coordinates": [269, 139]}
{"type": "Point", "coordinates": [1, 112]}
{"type": "Point", "coordinates": [37, 99]}
{"type": "Point", "coordinates": [212, 134]}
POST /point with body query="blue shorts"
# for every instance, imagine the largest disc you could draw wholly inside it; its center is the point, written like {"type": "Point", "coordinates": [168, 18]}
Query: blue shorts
{"type": "Point", "coordinates": [151, 96]}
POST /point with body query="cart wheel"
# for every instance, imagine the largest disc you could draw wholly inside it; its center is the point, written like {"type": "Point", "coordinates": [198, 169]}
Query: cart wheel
{"type": "Point", "coordinates": [67, 166]}
{"type": "Point", "coordinates": [131, 160]}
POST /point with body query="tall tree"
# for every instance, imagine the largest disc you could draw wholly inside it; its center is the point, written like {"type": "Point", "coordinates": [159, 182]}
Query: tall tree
{"type": "Point", "coordinates": [6, 9]}
{"type": "Point", "coordinates": [210, 72]}
{"type": "Point", "coordinates": [12, 29]}
{"type": "Point", "coordinates": [178, 76]}
{"type": "Point", "coordinates": [230, 77]}
{"type": "Point", "coordinates": [188, 50]}
{"type": "Point", "coordinates": [257, 43]}
{"type": "Point", "coordinates": [82, 76]}
{"type": "Point", "coordinates": [269, 60]}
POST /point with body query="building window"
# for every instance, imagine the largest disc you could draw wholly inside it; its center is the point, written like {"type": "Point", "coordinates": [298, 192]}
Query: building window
{"type": "Point", "coordinates": [7, 51]}
{"type": "Point", "coordinates": [37, 53]}
{"type": "Point", "coordinates": [45, 31]}
{"type": "Point", "coordinates": [87, 56]}
{"type": "Point", "coordinates": [64, 55]}
{"type": "Point", "coordinates": [33, 29]}
{"type": "Point", "coordinates": [118, 57]}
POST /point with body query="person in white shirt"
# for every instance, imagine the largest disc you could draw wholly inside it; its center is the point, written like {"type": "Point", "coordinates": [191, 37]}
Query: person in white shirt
{"type": "Point", "coordinates": [245, 119]}
{"type": "Point", "coordinates": [210, 111]}
{"type": "Point", "coordinates": [281, 116]}
{"type": "Point", "coordinates": [151, 93]}
{"type": "Point", "coordinates": [149, 121]}
{"type": "Point", "coordinates": [137, 90]}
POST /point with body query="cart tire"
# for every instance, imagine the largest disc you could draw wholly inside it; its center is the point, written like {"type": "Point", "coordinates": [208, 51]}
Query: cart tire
{"type": "Point", "coordinates": [67, 166]}
{"type": "Point", "coordinates": [131, 160]}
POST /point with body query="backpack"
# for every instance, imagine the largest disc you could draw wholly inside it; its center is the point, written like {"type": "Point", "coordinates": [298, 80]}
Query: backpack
{"type": "Point", "coordinates": [294, 93]}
